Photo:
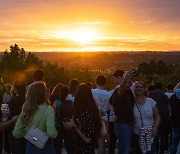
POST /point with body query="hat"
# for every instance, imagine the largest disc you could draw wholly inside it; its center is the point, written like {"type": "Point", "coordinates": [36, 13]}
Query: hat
{"type": "Point", "coordinates": [118, 73]}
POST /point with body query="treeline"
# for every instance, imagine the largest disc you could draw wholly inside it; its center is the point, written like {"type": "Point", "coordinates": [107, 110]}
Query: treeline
{"type": "Point", "coordinates": [17, 63]}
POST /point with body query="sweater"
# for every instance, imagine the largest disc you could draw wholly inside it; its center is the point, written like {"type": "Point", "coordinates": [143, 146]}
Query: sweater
{"type": "Point", "coordinates": [47, 123]}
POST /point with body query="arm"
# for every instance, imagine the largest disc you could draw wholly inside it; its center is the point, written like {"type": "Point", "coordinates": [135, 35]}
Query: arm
{"type": "Point", "coordinates": [71, 124]}
{"type": "Point", "coordinates": [7, 124]}
{"type": "Point", "coordinates": [50, 124]}
{"type": "Point", "coordinates": [122, 87]}
{"type": "Point", "coordinates": [157, 120]}
{"type": "Point", "coordinates": [177, 86]}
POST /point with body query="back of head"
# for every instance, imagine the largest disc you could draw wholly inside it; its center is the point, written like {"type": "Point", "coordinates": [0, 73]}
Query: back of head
{"type": "Point", "coordinates": [170, 87]}
{"type": "Point", "coordinates": [8, 88]}
{"type": "Point", "coordinates": [118, 73]}
{"type": "Point", "coordinates": [36, 95]}
{"type": "Point", "coordinates": [56, 89]}
{"type": "Point", "coordinates": [158, 85]}
{"type": "Point", "coordinates": [38, 75]}
{"type": "Point", "coordinates": [101, 80]}
{"type": "Point", "coordinates": [73, 85]}
{"type": "Point", "coordinates": [20, 88]}
{"type": "Point", "coordinates": [64, 90]}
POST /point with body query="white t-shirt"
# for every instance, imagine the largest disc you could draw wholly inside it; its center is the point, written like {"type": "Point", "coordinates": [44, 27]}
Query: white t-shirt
{"type": "Point", "coordinates": [169, 94]}
{"type": "Point", "coordinates": [102, 99]}
{"type": "Point", "coordinates": [146, 113]}
{"type": "Point", "coordinates": [70, 97]}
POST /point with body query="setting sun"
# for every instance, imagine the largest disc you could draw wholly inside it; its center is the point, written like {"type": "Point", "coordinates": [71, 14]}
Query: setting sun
{"type": "Point", "coordinates": [83, 36]}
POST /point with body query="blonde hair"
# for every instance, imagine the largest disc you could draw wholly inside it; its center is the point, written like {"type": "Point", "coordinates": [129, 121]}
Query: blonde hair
{"type": "Point", "coordinates": [36, 95]}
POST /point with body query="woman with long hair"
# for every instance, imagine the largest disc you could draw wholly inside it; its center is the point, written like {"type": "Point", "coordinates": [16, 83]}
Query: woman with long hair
{"type": "Point", "coordinates": [35, 106]}
{"type": "Point", "coordinates": [73, 84]}
{"type": "Point", "coordinates": [146, 121]}
{"type": "Point", "coordinates": [17, 146]}
{"type": "Point", "coordinates": [86, 120]}
{"type": "Point", "coordinates": [55, 95]}
{"type": "Point", "coordinates": [63, 111]}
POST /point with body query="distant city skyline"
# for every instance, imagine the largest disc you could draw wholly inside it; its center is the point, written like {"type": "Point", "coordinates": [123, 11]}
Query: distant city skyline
{"type": "Point", "coordinates": [96, 25]}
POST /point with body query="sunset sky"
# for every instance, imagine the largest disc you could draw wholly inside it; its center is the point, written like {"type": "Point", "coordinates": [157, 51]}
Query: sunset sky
{"type": "Point", "coordinates": [90, 25]}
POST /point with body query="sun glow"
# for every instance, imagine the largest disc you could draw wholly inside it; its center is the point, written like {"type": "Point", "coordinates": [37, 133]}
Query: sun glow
{"type": "Point", "coordinates": [82, 36]}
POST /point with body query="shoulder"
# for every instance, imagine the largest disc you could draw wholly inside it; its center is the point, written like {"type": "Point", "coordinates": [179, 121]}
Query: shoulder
{"type": "Point", "coordinates": [150, 101]}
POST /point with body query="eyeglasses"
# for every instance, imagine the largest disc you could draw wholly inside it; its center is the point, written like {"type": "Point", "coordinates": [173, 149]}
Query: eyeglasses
{"type": "Point", "coordinates": [139, 87]}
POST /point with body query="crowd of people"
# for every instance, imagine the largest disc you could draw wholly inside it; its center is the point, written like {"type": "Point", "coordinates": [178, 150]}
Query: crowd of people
{"type": "Point", "coordinates": [133, 118]}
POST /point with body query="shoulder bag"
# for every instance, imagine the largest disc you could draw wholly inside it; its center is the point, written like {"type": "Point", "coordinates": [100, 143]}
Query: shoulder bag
{"type": "Point", "coordinates": [36, 136]}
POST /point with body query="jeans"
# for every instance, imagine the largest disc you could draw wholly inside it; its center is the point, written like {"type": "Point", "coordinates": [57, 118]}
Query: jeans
{"type": "Point", "coordinates": [31, 149]}
{"type": "Point", "coordinates": [136, 148]}
{"type": "Point", "coordinates": [112, 138]}
{"type": "Point", "coordinates": [68, 137]}
{"type": "Point", "coordinates": [175, 140]}
{"type": "Point", "coordinates": [123, 134]}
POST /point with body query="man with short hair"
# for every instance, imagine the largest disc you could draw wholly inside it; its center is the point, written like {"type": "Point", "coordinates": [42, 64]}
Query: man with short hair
{"type": "Point", "coordinates": [102, 97]}
{"type": "Point", "coordinates": [123, 103]}
{"type": "Point", "coordinates": [38, 75]}
{"type": "Point", "coordinates": [162, 105]}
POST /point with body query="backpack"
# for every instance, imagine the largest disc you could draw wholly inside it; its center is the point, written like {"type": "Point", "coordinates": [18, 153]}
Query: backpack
{"type": "Point", "coordinates": [64, 110]}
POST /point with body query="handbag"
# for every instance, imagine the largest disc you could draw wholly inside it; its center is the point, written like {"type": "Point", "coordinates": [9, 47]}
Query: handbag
{"type": "Point", "coordinates": [36, 136]}
{"type": "Point", "coordinates": [145, 138]}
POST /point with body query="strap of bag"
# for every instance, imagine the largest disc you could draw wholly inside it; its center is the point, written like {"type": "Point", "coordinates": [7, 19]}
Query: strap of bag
{"type": "Point", "coordinates": [140, 114]}
{"type": "Point", "coordinates": [42, 116]}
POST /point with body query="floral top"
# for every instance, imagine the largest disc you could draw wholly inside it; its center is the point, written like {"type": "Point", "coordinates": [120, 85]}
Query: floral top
{"type": "Point", "coordinates": [87, 126]}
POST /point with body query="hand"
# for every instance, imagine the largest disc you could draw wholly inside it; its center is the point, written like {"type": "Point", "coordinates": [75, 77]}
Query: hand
{"type": "Point", "coordinates": [127, 76]}
{"type": "Point", "coordinates": [14, 119]}
{"type": "Point", "coordinates": [69, 125]}
{"type": "Point", "coordinates": [155, 131]}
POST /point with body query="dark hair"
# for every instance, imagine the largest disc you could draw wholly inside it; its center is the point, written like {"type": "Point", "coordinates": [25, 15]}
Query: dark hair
{"type": "Point", "coordinates": [101, 80]}
{"type": "Point", "coordinates": [170, 86]}
{"type": "Point", "coordinates": [73, 85]}
{"type": "Point", "coordinates": [83, 102]}
{"type": "Point", "coordinates": [151, 87]}
{"type": "Point", "coordinates": [89, 85]}
{"type": "Point", "coordinates": [21, 89]}
{"type": "Point", "coordinates": [64, 90]}
{"type": "Point", "coordinates": [55, 94]}
{"type": "Point", "coordinates": [38, 75]}
{"type": "Point", "coordinates": [118, 73]}
{"type": "Point", "coordinates": [158, 85]}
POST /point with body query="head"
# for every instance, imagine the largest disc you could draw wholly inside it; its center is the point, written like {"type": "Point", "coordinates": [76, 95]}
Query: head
{"type": "Point", "coordinates": [139, 88]}
{"type": "Point", "coordinates": [8, 88]}
{"type": "Point", "coordinates": [64, 90]}
{"type": "Point", "coordinates": [38, 75]}
{"type": "Point", "coordinates": [170, 87]}
{"type": "Point", "coordinates": [100, 81]}
{"type": "Point", "coordinates": [151, 87]}
{"type": "Point", "coordinates": [89, 85]}
{"type": "Point", "coordinates": [83, 102]}
{"type": "Point", "coordinates": [117, 76]}
{"type": "Point", "coordinates": [56, 89]}
{"type": "Point", "coordinates": [73, 85]}
{"type": "Point", "coordinates": [159, 85]}
{"type": "Point", "coordinates": [37, 94]}
{"type": "Point", "coordinates": [20, 89]}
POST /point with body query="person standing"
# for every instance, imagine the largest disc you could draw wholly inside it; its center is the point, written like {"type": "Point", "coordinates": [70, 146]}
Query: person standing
{"type": "Point", "coordinates": [175, 122]}
{"type": "Point", "coordinates": [163, 107]}
{"type": "Point", "coordinates": [102, 97]}
{"type": "Point", "coordinates": [146, 116]}
{"type": "Point", "coordinates": [86, 122]}
{"type": "Point", "coordinates": [36, 105]}
{"type": "Point", "coordinates": [123, 102]}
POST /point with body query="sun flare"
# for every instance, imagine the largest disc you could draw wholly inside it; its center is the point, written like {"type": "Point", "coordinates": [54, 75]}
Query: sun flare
{"type": "Point", "coordinates": [82, 36]}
